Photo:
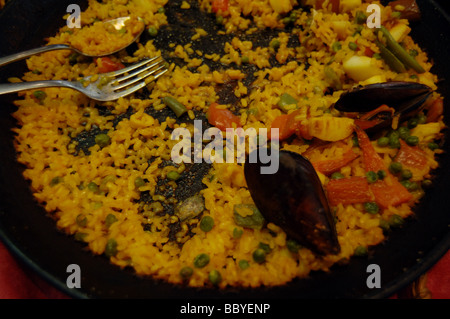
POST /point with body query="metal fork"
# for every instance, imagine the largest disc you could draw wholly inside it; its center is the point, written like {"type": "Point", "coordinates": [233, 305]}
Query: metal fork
{"type": "Point", "coordinates": [102, 87]}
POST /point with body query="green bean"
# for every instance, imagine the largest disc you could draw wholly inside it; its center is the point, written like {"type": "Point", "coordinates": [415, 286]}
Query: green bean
{"type": "Point", "coordinates": [285, 100]}
{"type": "Point", "coordinates": [394, 63]}
{"type": "Point", "coordinates": [178, 108]}
{"type": "Point", "coordinates": [399, 52]}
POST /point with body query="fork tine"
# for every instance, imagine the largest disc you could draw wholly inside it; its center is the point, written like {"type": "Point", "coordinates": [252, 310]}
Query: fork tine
{"type": "Point", "coordinates": [138, 71]}
{"type": "Point", "coordinates": [140, 77]}
{"type": "Point", "coordinates": [131, 67]}
{"type": "Point", "coordinates": [140, 85]}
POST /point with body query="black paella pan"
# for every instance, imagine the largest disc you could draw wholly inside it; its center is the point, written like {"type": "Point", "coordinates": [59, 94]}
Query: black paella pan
{"type": "Point", "coordinates": [33, 238]}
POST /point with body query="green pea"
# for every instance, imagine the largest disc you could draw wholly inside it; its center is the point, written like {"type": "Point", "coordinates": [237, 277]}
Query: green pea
{"type": "Point", "coordinates": [102, 140]}
{"type": "Point", "coordinates": [293, 246]}
{"type": "Point", "coordinates": [383, 141]}
{"type": "Point", "coordinates": [139, 182]}
{"type": "Point", "coordinates": [355, 141]}
{"type": "Point", "coordinates": [371, 176]}
{"type": "Point", "coordinates": [201, 260]}
{"type": "Point", "coordinates": [409, 185]}
{"type": "Point", "coordinates": [110, 219]}
{"type": "Point", "coordinates": [353, 46]}
{"type": "Point", "coordinates": [405, 174]}
{"type": "Point", "coordinates": [394, 141]}
{"type": "Point", "coordinates": [371, 207]}
{"type": "Point", "coordinates": [427, 183]}
{"type": "Point", "coordinates": [245, 59]}
{"type": "Point", "coordinates": [243, 264]}
{"type": "Point", "coordinates": [186, 272]}
{"type": "Point", "coordinates": [237, 232]}
{"type": "Point", "coordinates": [403, 132]}
{"type": "Point", "coordinates": [376, 56]}
{"type": "Point", "coordinates": [81, 220]}
{"type": "Point", "coordinates": [384, 225]}
{"type": "Point", "coordinates": [412, 123]}
{"type": "Point", "coordinates": [55, 180]}
{"type": "Point", "coordinates": [413, 53]}
{"type": "Point", "coordinates": [285, 100]}
{"type": "Point", "coordinates": [395, 221]}
{"type": "Point", "coordinates": [396, 14]}
{"type": "Point", "coordinates": [259, 255]}
{"type": "Point", "coordinates": [336, 46]}
{"type": "Point", "coordinates": [40, 95]}
{"type": "Point", "coordinates": [275, 44]}
{"type": "Point", "coordinates": [207, 223]}
{"type": "Point", "coordinates": [395, 167]}
{"type": "Point", "coordinates": [421, 119]}
{"type": "Point", "coordinates": [79, 236]}
{"type": "Point", "coordinates": [265, 247]}
{"type": "Point", "coordinates": [361, 251]}
{"type": "Point", "coordinates": [93, 187]}
{"type": "Point", "coordinates": [215, 277]}
{"type": "Point", "coordinates": [381, 174]}
{"type": "Point", "coordinates": [337, 175]}
{"type": "Point", "coordinates": [433, 146]}
{"type": "Point", "coordinates": [161, 10]}
{"type": "Point", "coordinates": [219, 19]}
{"type": "Point", "coordinates": [173, 175]}
{"type": "Point", "coordinates": [412, 140]}
{"type": "Point", "coordinates": [111, 248]}
{"type": "Point", "coordinates": [152, 31]}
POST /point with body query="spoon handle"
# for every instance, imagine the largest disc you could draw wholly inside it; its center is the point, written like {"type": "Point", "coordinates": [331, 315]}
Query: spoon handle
{"type": "Point", "coordinates": [25, 54]}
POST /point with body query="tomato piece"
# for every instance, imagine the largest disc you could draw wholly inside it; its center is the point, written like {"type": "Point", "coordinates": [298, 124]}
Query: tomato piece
{"type": "Point", "coordinates": [435, 111]}
{"type": "Point", "coordinates": [330, 166]}
{"type": "Point", "coordinates": [346, 191]}
{"type": "Point", "coordinates": [105, 65]}
{"type": "Point", "coordinates": [413, 158]}
{"type": "Point", "coordinates": [222, 118]}
{"type": "Point", "coordinates": [219, 6]}
{"type": "Point", "coordinates": [368, 52]}
{"type": "Point", "coordinates": [286, 124]}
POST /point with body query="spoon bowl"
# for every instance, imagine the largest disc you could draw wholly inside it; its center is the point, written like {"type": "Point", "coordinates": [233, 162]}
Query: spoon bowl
{"type": "Point", "coordinates": [118, 25]}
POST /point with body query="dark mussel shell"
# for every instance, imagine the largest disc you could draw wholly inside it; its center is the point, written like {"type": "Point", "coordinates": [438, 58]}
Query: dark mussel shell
{"type": "Point", "coordinates": [293, 199]}
{"type": "Point", "coordinates": [396, 94]}
{"type": "Point", "coordinates": [406, 98]}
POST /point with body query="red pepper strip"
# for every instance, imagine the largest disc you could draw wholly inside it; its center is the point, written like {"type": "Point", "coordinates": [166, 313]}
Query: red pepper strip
{"type": "Point", "coordinates": [413, 158]}
{"type": "Point", "coordinates": [222, 118]}
{"type": "Point", "coordinates": [346, 191]}
{"type": "Point", "coordinates": [105, 65]}
{"type": "Point", "coordinates": [389, 191]}
{"type": "Point", "coordinates": [330, 166]}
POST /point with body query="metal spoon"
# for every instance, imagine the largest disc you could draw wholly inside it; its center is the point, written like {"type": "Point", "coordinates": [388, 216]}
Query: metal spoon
{"type": "Point", "coordinates": [118, 24]}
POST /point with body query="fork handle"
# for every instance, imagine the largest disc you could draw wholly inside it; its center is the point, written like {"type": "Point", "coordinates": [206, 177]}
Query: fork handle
{"type": "Point", "coordinates": [22, 86]}
{"type": "Point", "coordinates": [25, 54]}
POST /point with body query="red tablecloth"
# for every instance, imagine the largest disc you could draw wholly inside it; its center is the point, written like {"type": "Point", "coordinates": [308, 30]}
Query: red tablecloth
{"type": "Point", "coordinates": [17, 282]}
